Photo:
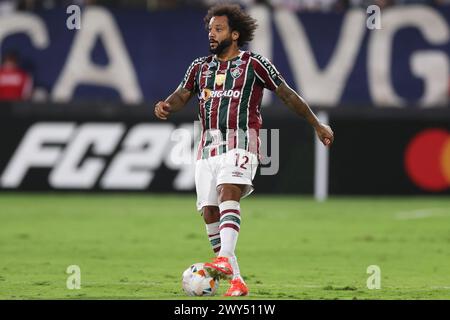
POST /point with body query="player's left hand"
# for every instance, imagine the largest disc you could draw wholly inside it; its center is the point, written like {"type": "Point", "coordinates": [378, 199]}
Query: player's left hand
{"type": "Point", "coordinates": [325, 134]}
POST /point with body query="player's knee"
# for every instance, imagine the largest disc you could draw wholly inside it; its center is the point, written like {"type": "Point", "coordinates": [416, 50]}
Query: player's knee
{"type": "Point", "coordinates": [230, 192]}
{"type": "Point", "coordinates": [211, 214]}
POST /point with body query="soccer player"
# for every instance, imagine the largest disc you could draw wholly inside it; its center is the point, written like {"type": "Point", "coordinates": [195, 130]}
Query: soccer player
{"type": "Point", "coordinates": [229, 86]}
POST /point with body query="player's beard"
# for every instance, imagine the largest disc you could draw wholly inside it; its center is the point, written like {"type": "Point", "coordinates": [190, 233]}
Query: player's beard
{"type": "Point", "coordinates": [221, 46]}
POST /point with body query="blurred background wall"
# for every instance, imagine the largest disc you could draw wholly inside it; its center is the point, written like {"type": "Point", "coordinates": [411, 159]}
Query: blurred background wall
{"type": "Point", "coordinates": [77, 95]}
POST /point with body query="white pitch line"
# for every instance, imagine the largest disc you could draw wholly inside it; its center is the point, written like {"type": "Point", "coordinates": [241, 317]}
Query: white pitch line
{"type": "Point", "coordinates": [422, 213]}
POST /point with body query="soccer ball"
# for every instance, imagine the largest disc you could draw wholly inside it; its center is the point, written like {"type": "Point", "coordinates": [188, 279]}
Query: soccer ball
{"type": "Point", "coordinates": [197, 282]}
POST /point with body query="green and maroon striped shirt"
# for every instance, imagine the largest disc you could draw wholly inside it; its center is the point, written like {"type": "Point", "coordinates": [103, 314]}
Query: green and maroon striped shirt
{"type": "Point", "coordinates": [230, 95]}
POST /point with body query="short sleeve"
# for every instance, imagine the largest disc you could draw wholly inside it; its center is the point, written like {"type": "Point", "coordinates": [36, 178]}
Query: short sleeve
{"type": "Point", "coordinates": [266, 72]}
{"type": "Point", "coordinates": [188, 81]}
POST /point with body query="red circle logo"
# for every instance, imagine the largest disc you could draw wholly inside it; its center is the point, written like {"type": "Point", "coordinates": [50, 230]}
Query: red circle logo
{"type": "Point", "coordinates": [427, 159]}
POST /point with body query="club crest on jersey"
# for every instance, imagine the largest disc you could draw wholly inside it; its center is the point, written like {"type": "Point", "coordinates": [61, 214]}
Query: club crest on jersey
{"type": "Point", "coordinates": [236, 72]}
{"type": "Point", "coordinates": [220, 79]}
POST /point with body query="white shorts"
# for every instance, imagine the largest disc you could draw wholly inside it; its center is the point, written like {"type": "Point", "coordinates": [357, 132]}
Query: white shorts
{"type": "Point", "coordinates": [237, 166]}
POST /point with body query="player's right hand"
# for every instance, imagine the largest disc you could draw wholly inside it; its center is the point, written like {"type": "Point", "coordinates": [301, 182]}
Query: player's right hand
{"type": "Point", "coordinates": [162, 110]}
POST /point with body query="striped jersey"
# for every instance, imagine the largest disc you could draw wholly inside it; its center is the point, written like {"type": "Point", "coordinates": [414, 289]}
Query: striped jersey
{"type": "Point", "coordinates": [230, 95]}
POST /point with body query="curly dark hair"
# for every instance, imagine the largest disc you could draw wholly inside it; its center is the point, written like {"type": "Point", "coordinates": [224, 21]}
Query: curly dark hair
{"type": "Point", "coordinates": [238, 20]}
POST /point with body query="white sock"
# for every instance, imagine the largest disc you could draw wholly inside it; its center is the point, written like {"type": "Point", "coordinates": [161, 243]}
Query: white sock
{"type": "Point", "coordinates": [212, 229]}
{"type": "Point", "coordinates": [230, 221]}
{"type": "Point", "coordinates": [235, 266]}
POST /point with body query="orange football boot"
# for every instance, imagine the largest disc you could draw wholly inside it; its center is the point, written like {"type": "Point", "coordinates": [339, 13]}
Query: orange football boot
{"type": "Point", "coordinates": [237, 288]}
{"type": "Point", "coordinates": [219, 268]}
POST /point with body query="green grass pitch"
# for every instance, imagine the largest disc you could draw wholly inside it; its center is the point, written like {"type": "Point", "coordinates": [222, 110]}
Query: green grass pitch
{"type": "Point", "coordinates": [137, 246]}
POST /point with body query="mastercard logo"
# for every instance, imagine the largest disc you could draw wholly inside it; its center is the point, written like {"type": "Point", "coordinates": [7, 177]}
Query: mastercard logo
{"type": "Point", "coordinates": [427, 160]}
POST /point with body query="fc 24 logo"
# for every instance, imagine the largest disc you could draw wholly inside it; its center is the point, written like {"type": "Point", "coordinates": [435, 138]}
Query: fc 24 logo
{"type": "Point", "coordinates": [107, 154]}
